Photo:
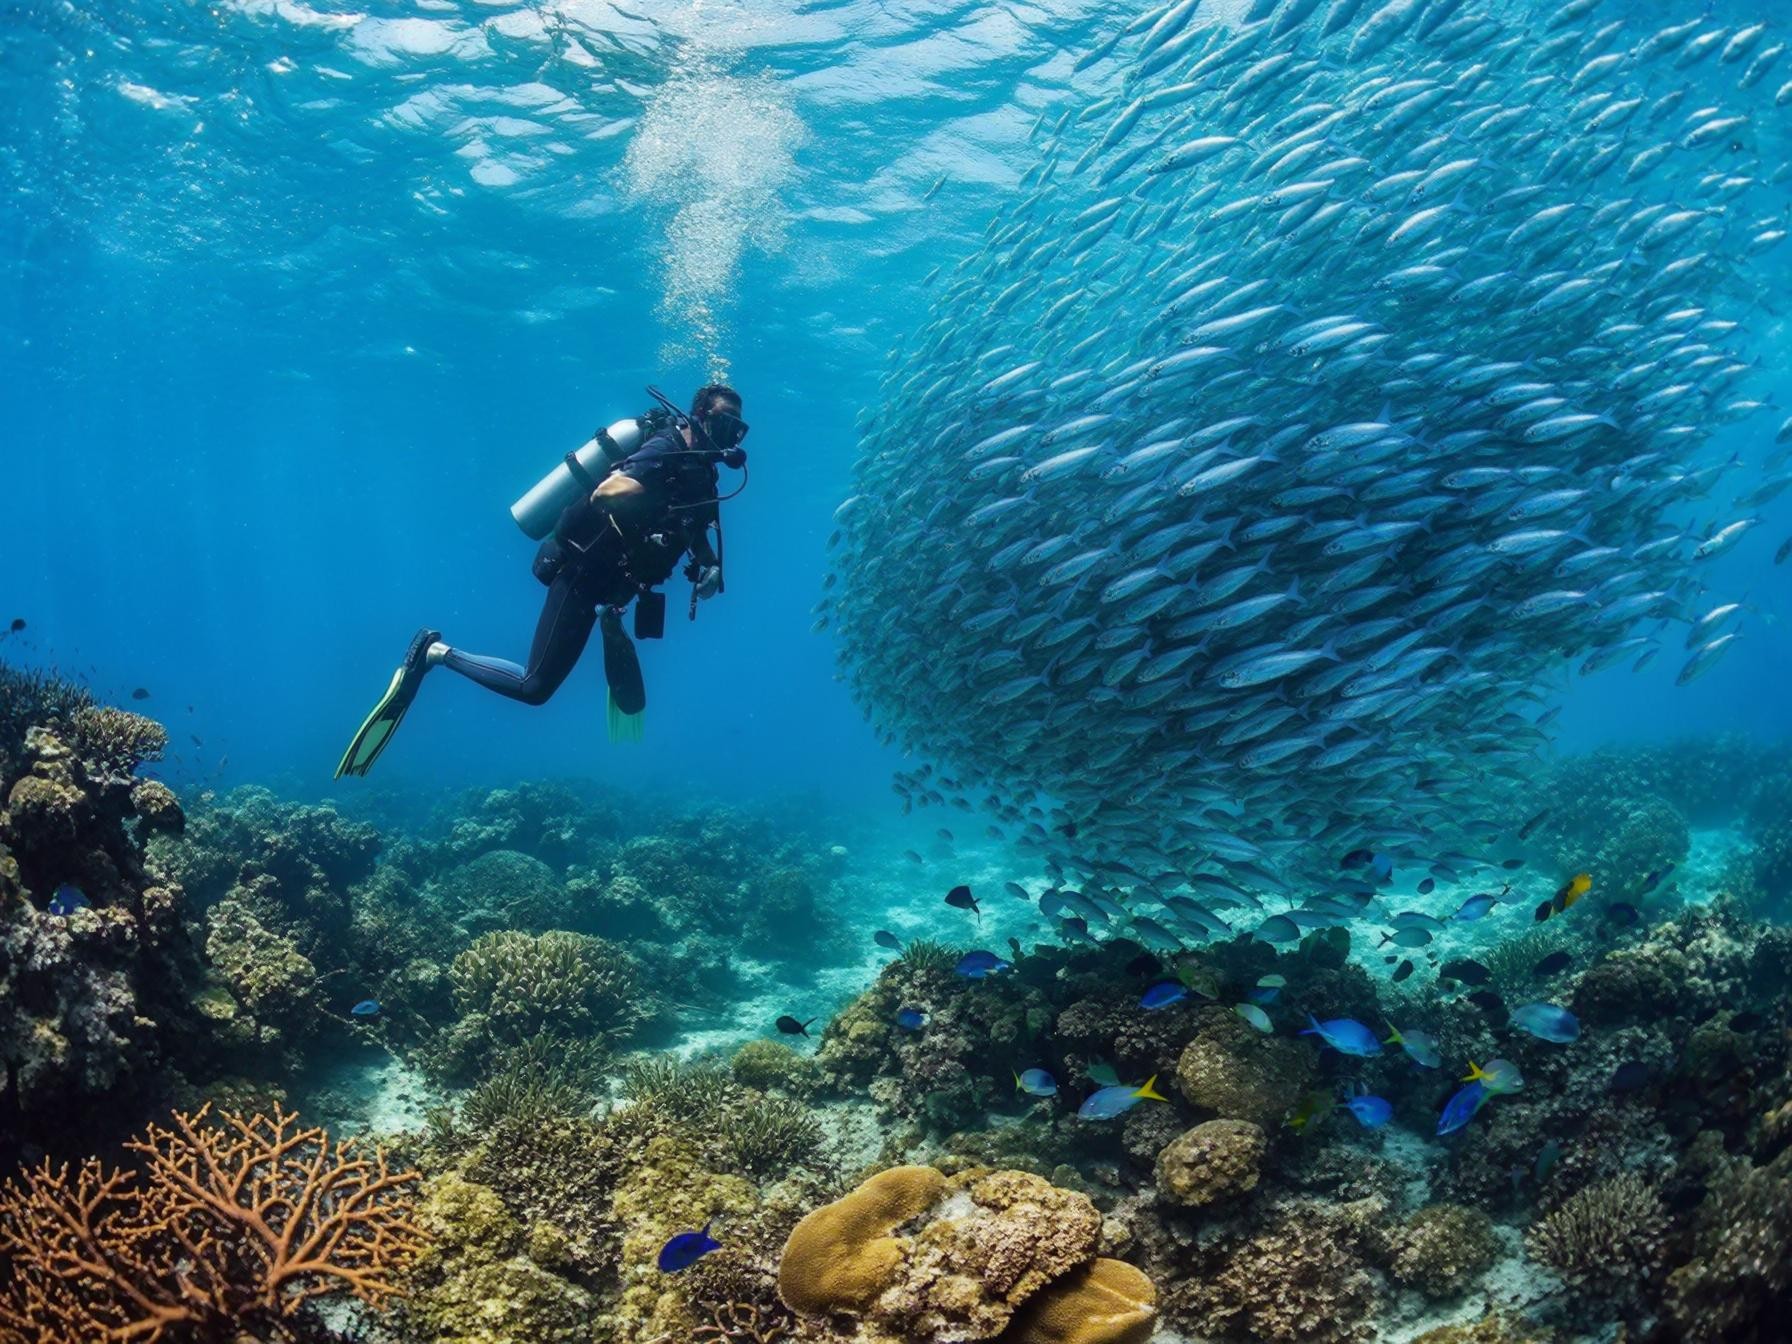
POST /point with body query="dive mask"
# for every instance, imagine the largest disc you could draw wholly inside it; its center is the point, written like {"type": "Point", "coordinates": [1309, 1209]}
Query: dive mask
{"type": "Point", "coordinates": [724, 430]}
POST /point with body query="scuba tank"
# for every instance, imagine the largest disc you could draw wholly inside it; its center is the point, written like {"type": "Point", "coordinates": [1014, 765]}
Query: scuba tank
{"type": "Point", "coordinates": [578, 472]}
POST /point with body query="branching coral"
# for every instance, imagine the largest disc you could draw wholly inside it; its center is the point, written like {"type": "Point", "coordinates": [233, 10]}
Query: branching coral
{"type": "Point", "coordinates": [770, 1134]}
{"type": "Point", "coordinates": [116, 741]}
{"type": "Point", "coordinates": [1606, 1239]}
{"type": "Point", "coordinates": [229, 1224]}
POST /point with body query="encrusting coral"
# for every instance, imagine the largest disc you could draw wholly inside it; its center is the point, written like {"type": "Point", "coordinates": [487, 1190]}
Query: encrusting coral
{"type": "Point", "coordinates": [1234, 1070]}
{"type": "Point", "coordinates": [1212, 1161]}
{"type": "Point", "coordinates": [230, 1224]}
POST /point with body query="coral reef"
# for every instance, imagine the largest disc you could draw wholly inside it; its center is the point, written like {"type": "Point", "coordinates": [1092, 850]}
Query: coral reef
{"type": "Point", "coordinates": [1213, 1161]}
{"type": "Point", "coordinates": [1002, 1255]}
{"type": "Point", "coordinates": [1442, 1250]}
{"type": "Point", "coordinates": [1606, 1240]}
{"type": "Point", "coordinates": [1735, 1285]}
{"type": "Point", "coordinates": [1238, 1073]}
{"type": "Point", "coordinates": [230, 1224]}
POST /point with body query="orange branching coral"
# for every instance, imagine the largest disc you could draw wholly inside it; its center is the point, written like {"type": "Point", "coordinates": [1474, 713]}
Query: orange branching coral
{"type": "Point", "coordinates": [227, 1224]}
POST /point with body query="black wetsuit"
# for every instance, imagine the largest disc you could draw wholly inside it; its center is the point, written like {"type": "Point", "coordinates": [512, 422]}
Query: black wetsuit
{"type": "Point", "coordinates": [596, 561]}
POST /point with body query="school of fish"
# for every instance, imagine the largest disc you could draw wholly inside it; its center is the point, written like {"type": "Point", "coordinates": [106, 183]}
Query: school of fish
{"type": "Point", "coordinates": [1321, 392]}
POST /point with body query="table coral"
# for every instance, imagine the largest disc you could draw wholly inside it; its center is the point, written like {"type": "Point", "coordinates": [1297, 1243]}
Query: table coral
{"type": "Point", "coordinates": [1213, 1161]}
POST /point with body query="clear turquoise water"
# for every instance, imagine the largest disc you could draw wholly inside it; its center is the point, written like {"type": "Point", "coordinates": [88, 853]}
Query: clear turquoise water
{"type": "Point", "coordinates": [294, 301]}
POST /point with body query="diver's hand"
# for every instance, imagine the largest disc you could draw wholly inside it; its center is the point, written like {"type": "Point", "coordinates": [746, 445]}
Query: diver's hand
{"type": "Point", "coordinates": [709, 579]}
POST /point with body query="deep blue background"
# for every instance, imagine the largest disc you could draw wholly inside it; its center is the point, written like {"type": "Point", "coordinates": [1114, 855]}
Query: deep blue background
{"type": "Point", "coordinates": [275, 361]}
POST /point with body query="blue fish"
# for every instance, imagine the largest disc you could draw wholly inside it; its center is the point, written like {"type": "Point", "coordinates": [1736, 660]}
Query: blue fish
{"type": "Point", "coordinates": [884, 938]}
{"type": "Point", "coordinates": [1278, 929]}
{"type": "Point", "coordinates": [1345, 1035]}
{"type": "Point", "coordinates": [910, 1019]}
{"type": "Point", "coordinates": [1460, 1109]}
{"type": "Point", "coordinates": [1547, 1022]}
{"type": "Point", "coordinates": [1373, 1112]}
{"type": "Point", "coordinates": [1036, 1083]}
{"type": "Point", "coordinates": [686, 1249]}
{"type": "Point", "coordinates": [1382, 865]}
{"type": "Point", "coordinates": [1475, 907]}
{"type": "Point", "coordinates": [979, 965]}
{"type": "Point", "coordinates": [1162, 995]}
{"type": "Point", "coordinates": [1118, 1100]}
{"type": "Point", "coordinates": [67, 900]}
{"type": "Point", "coordinates": [366, 1008]}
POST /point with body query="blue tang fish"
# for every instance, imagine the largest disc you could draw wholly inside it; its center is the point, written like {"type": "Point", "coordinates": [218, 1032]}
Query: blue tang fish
{"type": "Point", "coordinates": [1118, 1100]}
{"type": "Point", "coordinates": [1372, 1112]}
{"type": "Point", "coordinates": [686, 1249]}
{"type": "Point", "coordinates": [366, 1008]}
{"type": "Point", "coordinates": [1036, 1083]}
{"type": "Point", "coordinates": [1162, 995]}
{"type": "Point", "coordinates": [1461, 1108]}
{"type": "Point", "coordinates": [910, 1019]}
{"type": "Point", "coordinates": [1345, 1035]}
{"type": "Point", "coordinates": [980, 965]}
{"type": "Point", "coordinates": [68, 899]}
{"type": "Point", "coordinates": [1547, 1022]}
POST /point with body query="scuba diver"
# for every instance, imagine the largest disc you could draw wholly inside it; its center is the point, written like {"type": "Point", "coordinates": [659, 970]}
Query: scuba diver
{"type": "Point", "coordinates": [617, 515]}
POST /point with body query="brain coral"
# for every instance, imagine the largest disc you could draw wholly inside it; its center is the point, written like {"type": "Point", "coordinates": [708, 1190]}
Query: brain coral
{"type": "Point", "coordinates": [1212, 1161]}
{"type": "Point", "coordinates": [1003, 1255]}
{"type": "Point", "coordinates": [1236, 1071]}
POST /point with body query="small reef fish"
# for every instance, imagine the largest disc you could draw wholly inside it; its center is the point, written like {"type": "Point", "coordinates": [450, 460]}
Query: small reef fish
{"type": "Point", "coordinates": [1653, 880]}
{"type": "Point", "coordinates": [1017, 891]}
{"type": "Point", "coordinates": [884, 938]}
{"type": "Point", "coordinates": [1118, 1100]}
{"type": "Point", "coordinates": [1251, 1013]}
{"type": "Point", "coordinates": [789, 1026]}
{"type": "Point", "coordinates": [1311, 1109]}
{"type": "Point", "coordinates": [1631, 1075]}
{"type": "Point", "coordinates": [980, 965]}
{"type": "Point", "coordinates": [68, 899]}
{"type": "Point", "coordinates": [1427, 885]}
{"type": "Point", "coordinates": [1622, 913]}
{"type": "Point", "coordinates": [910, 1019]}
{"type": "Point", "coordinates": [1547, 1022]}
{"type": "Point", "coordinates": [366, 1008]}
{"type": "Point", "coordinates": [1550, 965]}
{"type": "Point", "coordinates": [1570, 892]}
{"type": "Point", "coordinates": [960, 898]}
{"type": "Point", "coordinates": [1199, 980]}
{"type": "Point", "coordinates": [1403, 970]}
{"type": "Point", "coordinates": [1162, 995]}
{"type": "Point", "coordinates": [1547, 1157]}
{"type": "Point", "coordinates": [140, 694]}
{"type": "Point", "coordinates": [1475, 907]}
{"type": "Point", "coordinates": [1501, 1076]}
{"type": "Point", "coordinates": [1465, 969]}
{"type": "Point", "coordinates": [1278, 929]}
{"type": "Point", "coordinates": [1413, 937]}
{"type": "Point", "coordinates": [1036, 1083]}
{"type": "Point", "coordinates": [1345, 1035]}
{"type": "Point", "coordinates": [1371, 1112]}
{"type": "Point", "coordinates": [1420, 1046]}
{"type": "Point", "coordinates": [686, 1249]}
{"type": "Point", "coordinates": [18, 624]}
{"type": "Point", "coordinates": [1461, 1108]}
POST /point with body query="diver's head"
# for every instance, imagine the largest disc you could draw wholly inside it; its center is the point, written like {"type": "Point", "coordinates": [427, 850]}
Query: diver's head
{"type": "Point", "coordinates": [716, 409]}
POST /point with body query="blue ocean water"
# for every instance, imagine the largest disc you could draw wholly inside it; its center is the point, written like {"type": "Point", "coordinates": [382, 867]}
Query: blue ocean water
{"type": "Point", "coordinates": [298, 298]}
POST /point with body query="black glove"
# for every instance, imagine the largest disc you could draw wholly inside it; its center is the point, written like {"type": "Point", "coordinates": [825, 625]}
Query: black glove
{"type": "Point", "coordinates": [734, 457]}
